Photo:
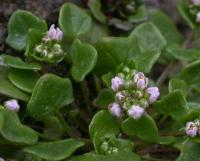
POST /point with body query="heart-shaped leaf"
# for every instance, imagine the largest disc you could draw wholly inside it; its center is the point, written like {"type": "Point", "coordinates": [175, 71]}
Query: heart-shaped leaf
{"type": "Point", "coordinates": [14, 131]}
{"type": "Point", "coordinates": [74, 21]}
{"type": "Point", "coordinates": [18, 26]}
{"type": "Point", "coordinates": [84, 57]}
{"type": "Point", "coordinates": [57, 150]}
{"type": "Point", "coordinates": [50, 93]}
{"type": "Point", "coordinates": [144, 128]}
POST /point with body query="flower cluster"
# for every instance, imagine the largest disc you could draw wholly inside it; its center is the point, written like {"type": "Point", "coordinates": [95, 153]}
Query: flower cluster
{"type": "Point", "coordinates": [192, 128]}
{"type": "Point", "coordinates": [194, 9]}
{"type": "Point", "coordinates": [132, 94]}
{"type": "Point", "coordinates": [50, 49]}
{"type": "Point", "coordinates": [108, 148]}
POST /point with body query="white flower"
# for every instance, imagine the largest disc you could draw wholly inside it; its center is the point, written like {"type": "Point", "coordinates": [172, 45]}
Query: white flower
{"type": "Point", "coordinates": [116, 83]}
{"type": "Point", "coordinates": [136, 112]}
{"type": "Point", "coordinates": [191, 129]}
{"type": "Point", "coordinates": [55, 33]}
{"type": "Point", "coordinates": [12, 105]}
{"type": "Point", "coordinates": [140, 80]}
{"type": "Point", "coordinates": [115, 109]}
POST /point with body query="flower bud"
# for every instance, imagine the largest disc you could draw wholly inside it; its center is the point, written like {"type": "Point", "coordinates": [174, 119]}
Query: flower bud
{"type": "Point", "coordinates": [117, 82]}
{"type": "Point", "coordinates": [191, 129]}
{"type": "Point", "coordinates": [55, 33]}
{"type": "Point", "coordinates": [196, 2]}
{"type": "Point", "coordinates": [198, 17]}
{"type": "Point", "coordinates": [140, 80]}
{"type": "Point", "coordinates": [153, 94]}
{"type": "Point", "coordinates": [12, 105]}
{"type": "Point", "coordinates": [120, 96]}
{"type": "Point", "coordinates": [115, 109]}
{"type": "Point", "coordinates": [136, 112]}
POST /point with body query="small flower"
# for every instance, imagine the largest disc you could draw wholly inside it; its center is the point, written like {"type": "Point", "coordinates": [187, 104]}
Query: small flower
{"type": "Point", "coordinates": [140, 80]}
{"type": "Point", "coordinates": [117, 82]}
{"type": "Point", "coordinates": [198, 17]}
{"type": "Point", "coordinates": [120, 96]}
{"type": "Point", "coordinates": [1, 159]}
{"type": "Point", "coordinates": [115, 109]}
{"type": "Point", "coordinates": [196, 2]}
{"type": "Point", "coordinates": [153, 94]}
{"type": "Point", "coordinates": [55, 33]}
{"type": "Point", "coordinates": [12, 105]}
{"type": "Point", "coordinates": [136, 112]}
{"type": "Point", "coordinates": [191, 129]}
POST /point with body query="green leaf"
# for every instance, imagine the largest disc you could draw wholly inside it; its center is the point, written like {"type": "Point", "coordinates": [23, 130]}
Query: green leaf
{"type": "Point", "coordinates": [140, 15]}
{"type": "Point", "coordinates": [16, 62]}
{"type": "Point", "coordinates": [191, 73]}
{"type": "Point", "coordinates": [34, 38]}
{"type": "Point", "coordinates": [183, 54]}
{"type": "Point", "coordinates": [57, 150]}
{"type": "Point", "coordinates": [18, 26]}
{"type": "Point", "coordinates": [107, 79]}
{"type": "Point", "coordinates": [95, 7]}
{"type": "Point", "coordinates": [149, 37]}
{"type": "Point", "coordinates": [148, 58]}
{"type": "Point", "coordinates": [166, 140]}
{"type": "Point", "coordinates": [23, 79]}
{"type": "Point", "coordinates": [14, 131]}
{"type": "Point", "coordinates": [124, 156]}
{"type": "Point", "coordinates": [8, 89]}
{"type": "Point", "coordinates": [177, 84]}
{"type": "Point", "coordinates": [145, 128]}
{"type": "Point", "coordinates": [174, 104]}
{"type": "Point", "coordinates": [84, 57]}
{"type": "Point", "coordinates": [74, 21]}
{"type": "Point", "coordinates": [189, 151]}
{"type": "Point", "coordinates": [113, 51]}
{"type": "Point", "coordinates": [52, 128]}
{"type": "Point", "coordinates": [103, 125]}
{"type": "Point", "coordinates": [184, 11]}
{"type": "Point", "coordinates": [104, 98]}
{"type": "Point", "coordinates": [166, 26]}
{"type": "Point", "coordinates": [50, 93]}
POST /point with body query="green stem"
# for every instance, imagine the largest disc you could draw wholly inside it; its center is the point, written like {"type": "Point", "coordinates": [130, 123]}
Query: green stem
{"type": "Point", "coordinates": [70, 131]}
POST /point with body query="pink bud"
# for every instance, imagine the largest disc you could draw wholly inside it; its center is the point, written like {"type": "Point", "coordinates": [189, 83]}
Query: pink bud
{"type": "Point", "coordinates": [136, 112]}
{"type": "Point", "coordinates": [115, 109]}
{"type": "Point", "coordinates": [196, 2]}
{"type": "Point", "coordinates": [117, 82]}
{"type": "Point", "coordinates": [153, 94]}
{"type": "Point", "coordinates": [198, 17]}
{"type": "Point", "coordinates": [191, 129]}
{"type": "Point", "coordinates": [55, 33]}
{"type": "Point", "coordinates": [12, 105]}
{"type": "Point", "coordinates": [140, 80]}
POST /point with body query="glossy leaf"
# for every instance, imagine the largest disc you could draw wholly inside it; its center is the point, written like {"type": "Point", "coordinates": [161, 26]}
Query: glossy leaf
{"type": "Point", "coordinates": [16, 62]}
{"type": "Point", "coordinates": [105, 97]}
{"type": "Point", "coordinates": [174, 104]}
{"type": "Point", "coordinates": [50, 93]}
{"type": "Point", "coordinates": [8, 89]}
{"type": "Point", "coordinates": [145, 128]}
{"type": "Point", "coordinates": [57, 150]}
{"type": "Point", "coordinates": [14, 131]}
{"type": "Point", "coordinates": [23, 79]}
{"type": "Point", "coordinates": [18, 26]}
{"type": "Point", "coordinates": [74, 21]}
{"type": "Point", "coordinates": [149, 37]}
{"type": "Point", "coordinates": [95, 7]}
{"type": "Point", "coordinates": [84, 57]}
{"type": "Point", "coordinates": [140, 15]}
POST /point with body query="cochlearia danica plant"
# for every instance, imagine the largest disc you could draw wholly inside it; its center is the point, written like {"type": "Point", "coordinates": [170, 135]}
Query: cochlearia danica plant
{"type": "Point", "coordinates": [80, 90]}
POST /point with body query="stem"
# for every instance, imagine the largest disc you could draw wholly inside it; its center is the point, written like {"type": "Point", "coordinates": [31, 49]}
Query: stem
{"type": "Point", "coordinates": [97, 83]}
{"type": "Point", "coordinates": [70, 131]}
